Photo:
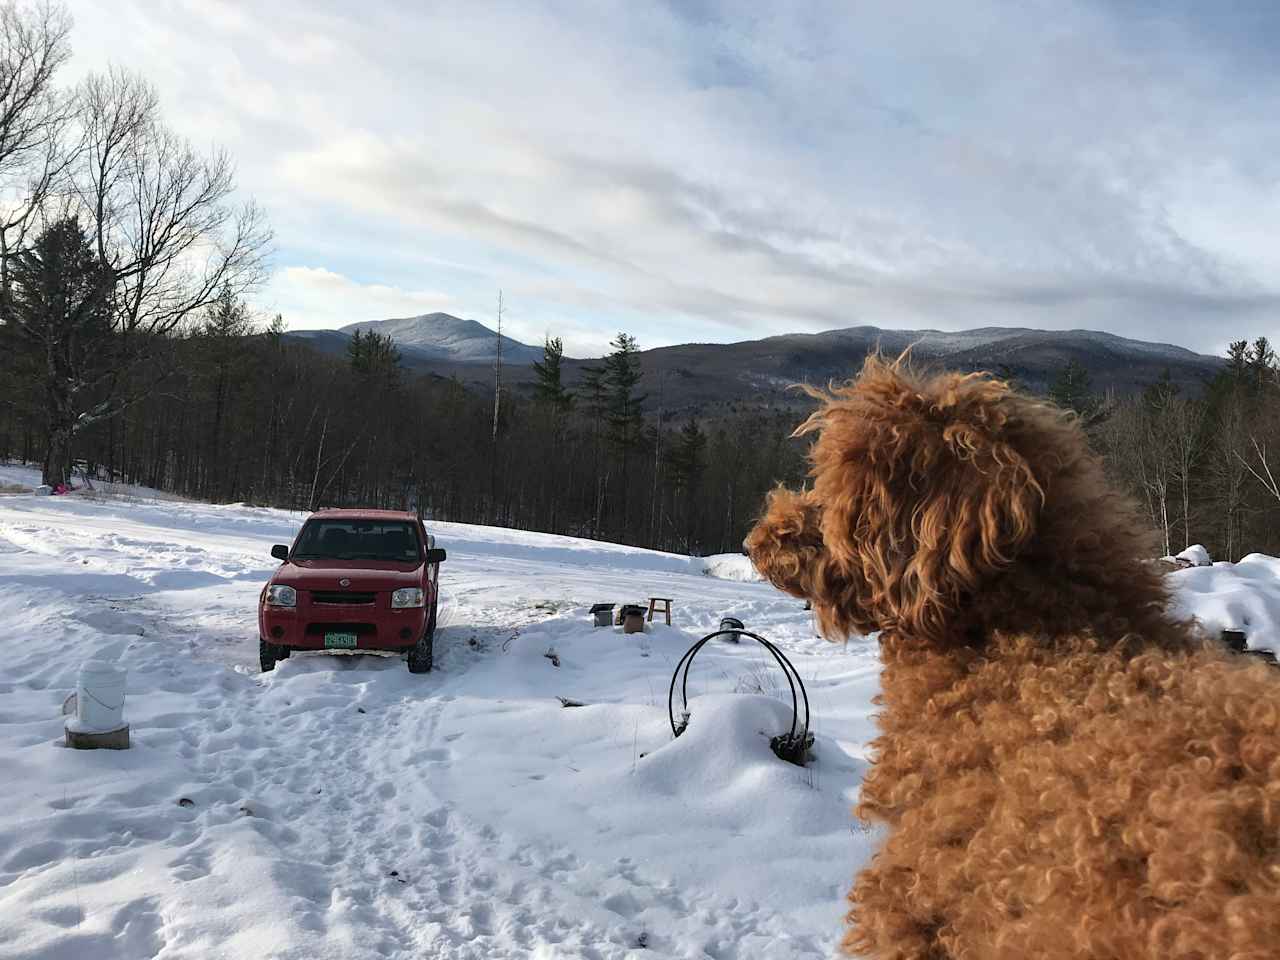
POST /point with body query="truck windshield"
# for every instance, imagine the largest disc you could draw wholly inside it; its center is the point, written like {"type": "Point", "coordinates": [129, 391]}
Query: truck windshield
{"type": "Point", "coordinates": [391, 540]}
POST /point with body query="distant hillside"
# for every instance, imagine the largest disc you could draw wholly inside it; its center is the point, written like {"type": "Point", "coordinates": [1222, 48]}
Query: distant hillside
{"type": "Point", "coordinates": [431, 338]}
{"type": "Point", "coordinates": [702, 376]}
{"type": "Point", "coordinates": [448, 337]}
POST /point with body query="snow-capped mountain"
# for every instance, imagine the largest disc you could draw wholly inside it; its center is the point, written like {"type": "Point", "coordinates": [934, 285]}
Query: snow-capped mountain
{"type": "Point", "coordinates": [696, 376]}
{"type": "Point", "coordinates": [441, 336]}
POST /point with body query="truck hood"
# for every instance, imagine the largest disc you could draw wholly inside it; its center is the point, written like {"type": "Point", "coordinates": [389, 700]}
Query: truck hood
{"type": "Point", "coordinates": [363, 574]}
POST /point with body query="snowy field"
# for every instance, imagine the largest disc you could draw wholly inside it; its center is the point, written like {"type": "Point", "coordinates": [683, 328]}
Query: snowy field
{"type": "Point", "coordinates": [341, 807]}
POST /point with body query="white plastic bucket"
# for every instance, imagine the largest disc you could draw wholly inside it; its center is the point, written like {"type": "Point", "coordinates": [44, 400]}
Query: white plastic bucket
{"type": "Point", "coordinates": [100, 697]}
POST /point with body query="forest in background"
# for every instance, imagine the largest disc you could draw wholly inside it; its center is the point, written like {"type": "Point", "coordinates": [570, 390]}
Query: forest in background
{"type": "Point", "coordinates": [242, 414]}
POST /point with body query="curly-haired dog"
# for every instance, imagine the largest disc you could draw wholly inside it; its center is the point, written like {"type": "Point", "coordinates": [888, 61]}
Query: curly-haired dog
{"type": "Point", "coordinates": [1064, 770]}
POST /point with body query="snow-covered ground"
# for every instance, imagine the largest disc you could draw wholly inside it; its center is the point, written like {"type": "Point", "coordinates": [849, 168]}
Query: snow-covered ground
{"type": "Point", "coordinates": [1241, 596]}
{"type": "Point", "coordinates": [23, 478]}
{"type": "Point", "coordinates": [17, 477]}
{"type": "Point", "coordinates": [728, 566]}
{"type": "Point", "coordinates": [342, 807]}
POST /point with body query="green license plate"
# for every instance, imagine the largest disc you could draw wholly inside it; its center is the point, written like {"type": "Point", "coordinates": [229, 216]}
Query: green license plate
{"type": "Point", "coordinates": [339, 641]}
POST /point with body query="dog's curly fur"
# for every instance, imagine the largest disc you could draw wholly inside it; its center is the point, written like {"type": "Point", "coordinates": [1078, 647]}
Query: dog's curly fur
{"type": "Point", "coordinates": [1064, 769]}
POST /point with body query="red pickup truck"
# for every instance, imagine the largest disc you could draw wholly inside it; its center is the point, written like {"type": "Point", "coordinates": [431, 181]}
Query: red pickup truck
{"type": "Point", "coordinates": [353, 580]}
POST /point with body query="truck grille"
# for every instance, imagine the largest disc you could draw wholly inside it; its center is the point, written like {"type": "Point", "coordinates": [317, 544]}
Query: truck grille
{"type": "Point", "coordinates": [346, 598]}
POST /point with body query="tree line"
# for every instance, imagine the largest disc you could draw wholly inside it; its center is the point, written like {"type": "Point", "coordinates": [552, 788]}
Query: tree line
{"type": "Point", "coordinates": [247, 415]}
{"type": "Point", "coordinates": [1203, 464]}
{"type": "Point", "coordinates": [244, 414]}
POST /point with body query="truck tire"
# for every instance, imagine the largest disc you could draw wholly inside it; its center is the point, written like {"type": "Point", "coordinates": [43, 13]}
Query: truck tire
{"type": "Point", "coordinates": [422, 652]}
{"type": "Point", "coordinates": [268, 654]}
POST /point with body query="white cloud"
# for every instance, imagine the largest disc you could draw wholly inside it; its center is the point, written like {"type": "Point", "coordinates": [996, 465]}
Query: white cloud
{"type": "Point", "coordinates": [313, 297]}
{"type": "Point", "coordinates": [735, 174]}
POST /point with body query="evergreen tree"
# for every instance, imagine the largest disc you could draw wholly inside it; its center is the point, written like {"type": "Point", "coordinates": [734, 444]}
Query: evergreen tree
{"type": "Point", "coordinates": [625, 411]}
{"type": "Point", "coordinates": [225, 329]}
{"type": "Point", "coordinates": [1009, 375]}
{"type": "Point", "coordinates": [1072, 389]}
{"type": "Point", "coordinates": [374, 359]}
{"type": "Point", "coordinates": [1158, 394]}
{"type": "Point", "coordinates": [688, 458]}
{"type": "Point", "coordinates": [1261, 361]}
{"type": "Point", "coordinates": [276, 330]}
{"type": "Point", "coordinates": [549, 389]}
{"type": "Point", "coordinates": [1237, 360]}
{"type": "Point", "coordinates": [594, 392]}
{"type": "Point", "coordinates": [688, 464]}
{"type": "Point", "coordinates": [60, 313]}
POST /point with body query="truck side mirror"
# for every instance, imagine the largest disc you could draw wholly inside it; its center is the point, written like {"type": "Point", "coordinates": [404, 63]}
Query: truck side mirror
{"type": "Point", "coordinates": [436, 555]}
{"type": "Point", "coordinates": [280, 552]}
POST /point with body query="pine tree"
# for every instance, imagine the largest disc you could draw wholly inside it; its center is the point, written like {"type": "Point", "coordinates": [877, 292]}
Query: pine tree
{"type": "Point", "coordinates": [276, 330]}
{"type": "Point", "coordinates": [1161, 392]}
{"type": "Point", "coordinates": [553, 404]}
{"type": "Point", "coordinates": [1237, 359]}
{"type": "Point", "coordinates": [60, 313]}
{"type": "Point", "coordinates": [1261, 361]}
{"type": "Point", "coordinates": [688, 463]}
{"type": "Point", "coordinates": [1009, 375]}
{"type": "Point", "coordinates": [1072, 389]}
{"type": "Point", "coordinates": [224, 330]}
{"type": "Point", "coordinates": [625, 412]}
{"type": "Point", "coordinates": [549, 390]}
{"type": "Point", "coordinates": [374, 359]}
{"type": "Point", "coordinates": [594, 392]}
{"type": "Point", "coordinates": [687, 460]}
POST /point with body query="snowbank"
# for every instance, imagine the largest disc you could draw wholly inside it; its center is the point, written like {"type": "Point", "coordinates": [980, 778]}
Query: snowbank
{"type": "Point", "coordinates": [19, 477]}
{"type": "Point", "coordinates": [1234, 596]}
{"type": "Point", "coordinates": [23, 478]}
{"type": "Point", "coordinates": [1194, 556]}
{"type": "Point", "coordinates": [727, 566]}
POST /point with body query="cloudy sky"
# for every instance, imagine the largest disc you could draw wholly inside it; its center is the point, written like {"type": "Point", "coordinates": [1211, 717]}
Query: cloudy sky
{"type": "Point", "coordinates": [722, 171]}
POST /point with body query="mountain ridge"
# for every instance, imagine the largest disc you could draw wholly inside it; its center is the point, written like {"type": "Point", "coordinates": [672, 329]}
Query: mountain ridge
{"type": "Point", "coordinates": [698, 376]}
{"type": "Point", "coordinates": [446, 337]}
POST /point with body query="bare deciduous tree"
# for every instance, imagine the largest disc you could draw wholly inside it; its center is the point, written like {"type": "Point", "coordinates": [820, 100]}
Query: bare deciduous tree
{"type": "Point", "coordinates": [169, 239]}
{"type": "Point", "coordinates": [34, 116]}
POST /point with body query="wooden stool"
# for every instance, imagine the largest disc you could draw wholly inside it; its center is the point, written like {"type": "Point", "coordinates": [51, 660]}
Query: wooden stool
{"type": "Point", "coordinates": [665, 608]}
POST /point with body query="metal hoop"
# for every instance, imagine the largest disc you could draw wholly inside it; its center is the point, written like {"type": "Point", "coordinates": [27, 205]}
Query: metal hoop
{"type": "Point", "coordinates": [788, 669]}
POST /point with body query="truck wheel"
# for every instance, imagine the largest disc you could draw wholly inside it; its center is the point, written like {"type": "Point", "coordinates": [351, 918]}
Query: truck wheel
{"type": "Point", "coordinates": [268, 654]}
{"type": "Point", "coordinates": [420, 654]}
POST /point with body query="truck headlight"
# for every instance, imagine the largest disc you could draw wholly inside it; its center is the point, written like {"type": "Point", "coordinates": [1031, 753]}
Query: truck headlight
{"type": "Point", "coordinates": [280, 595]}
{"type": "Point", "coordinates": [406, 597]}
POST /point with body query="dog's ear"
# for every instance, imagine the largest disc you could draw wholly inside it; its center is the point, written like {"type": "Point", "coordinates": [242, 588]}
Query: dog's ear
{"type": "Point", "coordinates": [785, 545]}
{"type": "Point", "coordinates": [925, 497]}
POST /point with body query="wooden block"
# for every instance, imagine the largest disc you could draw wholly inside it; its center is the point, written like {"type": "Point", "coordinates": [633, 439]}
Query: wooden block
{"type": "Point", "coordinates": [633, 623]}
{"type": "Point", "coordinates": [112, 740]}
